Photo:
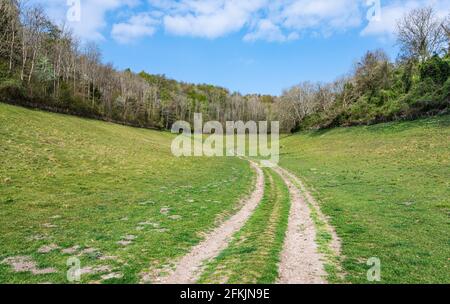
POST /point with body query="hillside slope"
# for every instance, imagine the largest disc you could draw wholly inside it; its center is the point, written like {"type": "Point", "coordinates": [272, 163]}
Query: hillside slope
{"type": "Point", "coordinates": [386, 189]}
{"type": "Point", "coordinates": [112, 196]}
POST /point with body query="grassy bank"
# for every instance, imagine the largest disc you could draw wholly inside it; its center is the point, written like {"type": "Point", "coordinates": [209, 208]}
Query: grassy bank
{"type": "Point", "coordinates": [112, 196]}
{"type": "Point", "coordinates": [386, 189]}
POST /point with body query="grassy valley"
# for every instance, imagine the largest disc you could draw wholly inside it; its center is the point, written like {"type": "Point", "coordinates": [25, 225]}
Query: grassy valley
{"type": "Point", "coordinates": [117, 199]}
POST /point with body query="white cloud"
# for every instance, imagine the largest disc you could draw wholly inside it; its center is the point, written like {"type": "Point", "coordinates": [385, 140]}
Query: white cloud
{"type": "Point", "coordinates": [288, 19]}
{"type": "Point", "coordinates": [322, 15]}
{"type": "Point", "coordinates": [93, 15]}
{"type": "Point", "coordinates": [267, 30]}
{"type": "Point", "coordinates": [386, 27]}
{"type": "Point", "coordinates": [211, 18]}
{"type": "Point", "coordinates": [136, 27]}
{"type": "Point", "coordinates": [280, 20]}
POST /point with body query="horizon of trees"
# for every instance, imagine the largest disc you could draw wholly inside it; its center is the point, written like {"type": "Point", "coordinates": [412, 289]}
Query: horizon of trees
{"type": "Point", "coordinates": [45, 66]}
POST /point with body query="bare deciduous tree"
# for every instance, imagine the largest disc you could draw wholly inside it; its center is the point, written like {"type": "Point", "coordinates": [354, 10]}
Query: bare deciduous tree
{"type": "Point", "coordinates": [9, 23]}
{"type": "Point", "coordinates": [420, 34]}
{"type": "Point", "coordinates": [446, 28]}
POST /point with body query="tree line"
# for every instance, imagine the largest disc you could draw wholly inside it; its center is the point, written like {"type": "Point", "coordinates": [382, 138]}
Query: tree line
{"type": "Point", "coordinates": [379, 90]}
{"type": "Point", "coordinates": [44, 65]}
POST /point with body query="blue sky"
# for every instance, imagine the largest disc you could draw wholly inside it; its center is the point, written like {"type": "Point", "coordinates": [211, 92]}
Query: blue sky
{"type": "Point", "coordinates": [250, 46]}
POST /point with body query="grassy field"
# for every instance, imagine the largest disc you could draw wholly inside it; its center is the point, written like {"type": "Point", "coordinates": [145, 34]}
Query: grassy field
{"type": "Point", "coordinates": [386, 189]}
{"type": "Point", "coordinates": [110, 195]}
{"type": "Point", "coordinates": [115, 198]}
{"type": "Point", "coordinates": [253, 255]}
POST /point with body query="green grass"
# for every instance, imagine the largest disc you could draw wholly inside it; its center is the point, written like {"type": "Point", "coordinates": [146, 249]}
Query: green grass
{"type": "Point", "coordinates": [332, 262]}
{"type": "Point", "coordinates": [386, 189]}
{"type": "Point", "coordinates": [253, 254]}
{"type": "Point", "coordinates": [95, 182]}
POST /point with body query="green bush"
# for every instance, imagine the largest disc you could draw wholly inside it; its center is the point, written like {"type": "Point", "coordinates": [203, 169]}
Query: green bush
{"type": "Point", "coordinates": [445, 96]}
{"type": "Point", "coordinates": [4, 71]}
{"type": "Point", "coordinates": [437, 69]}
{"type": "Point", "coordinates": [11, 90]}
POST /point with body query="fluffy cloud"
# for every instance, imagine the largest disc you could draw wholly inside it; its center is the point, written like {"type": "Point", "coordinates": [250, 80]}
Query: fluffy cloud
{"type": "Point", "coordinates": [273, 21]}
{"type": "Point", "coordinates": [287, 19]}
{"type": "Point", "coordinates": [267, 30]}
{"type": "Point", "coordinates": [267, 20]}
{"type": "Point", "coordinates": [210, 19]}
{"type": "Point", "coordinates": [93, 14]}
{"type": "Point", "coordinates": [93, 17]}
{"type": "Point", "coordinates": [136, 27]}
{"type": "Point", "coordinates": [322, 15]}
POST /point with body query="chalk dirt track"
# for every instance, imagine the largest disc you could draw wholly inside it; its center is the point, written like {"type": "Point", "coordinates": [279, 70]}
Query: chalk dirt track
{"type": "Point", "coordinates": [188, 268]}
{"type": "Point", "coordinates": [300, 260]}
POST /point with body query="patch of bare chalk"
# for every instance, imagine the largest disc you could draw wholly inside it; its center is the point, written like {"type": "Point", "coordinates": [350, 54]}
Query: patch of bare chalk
{"type": "Point", "coordinates": [26, 264]}
{"type": "Point", "coordinates": [127, 240]}
{"type": "Point", "coordinates": [48, 248]}
{"type": "Point", "coordinates": [301, 262]}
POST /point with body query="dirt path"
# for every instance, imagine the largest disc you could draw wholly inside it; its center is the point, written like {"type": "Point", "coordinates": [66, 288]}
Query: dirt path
{"type": "Point", "coordinates": [301, 263]}
{"type": "Point", "coordinates": [335, 243]}
{"type": "Point", "coordinates": [189, 267]}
